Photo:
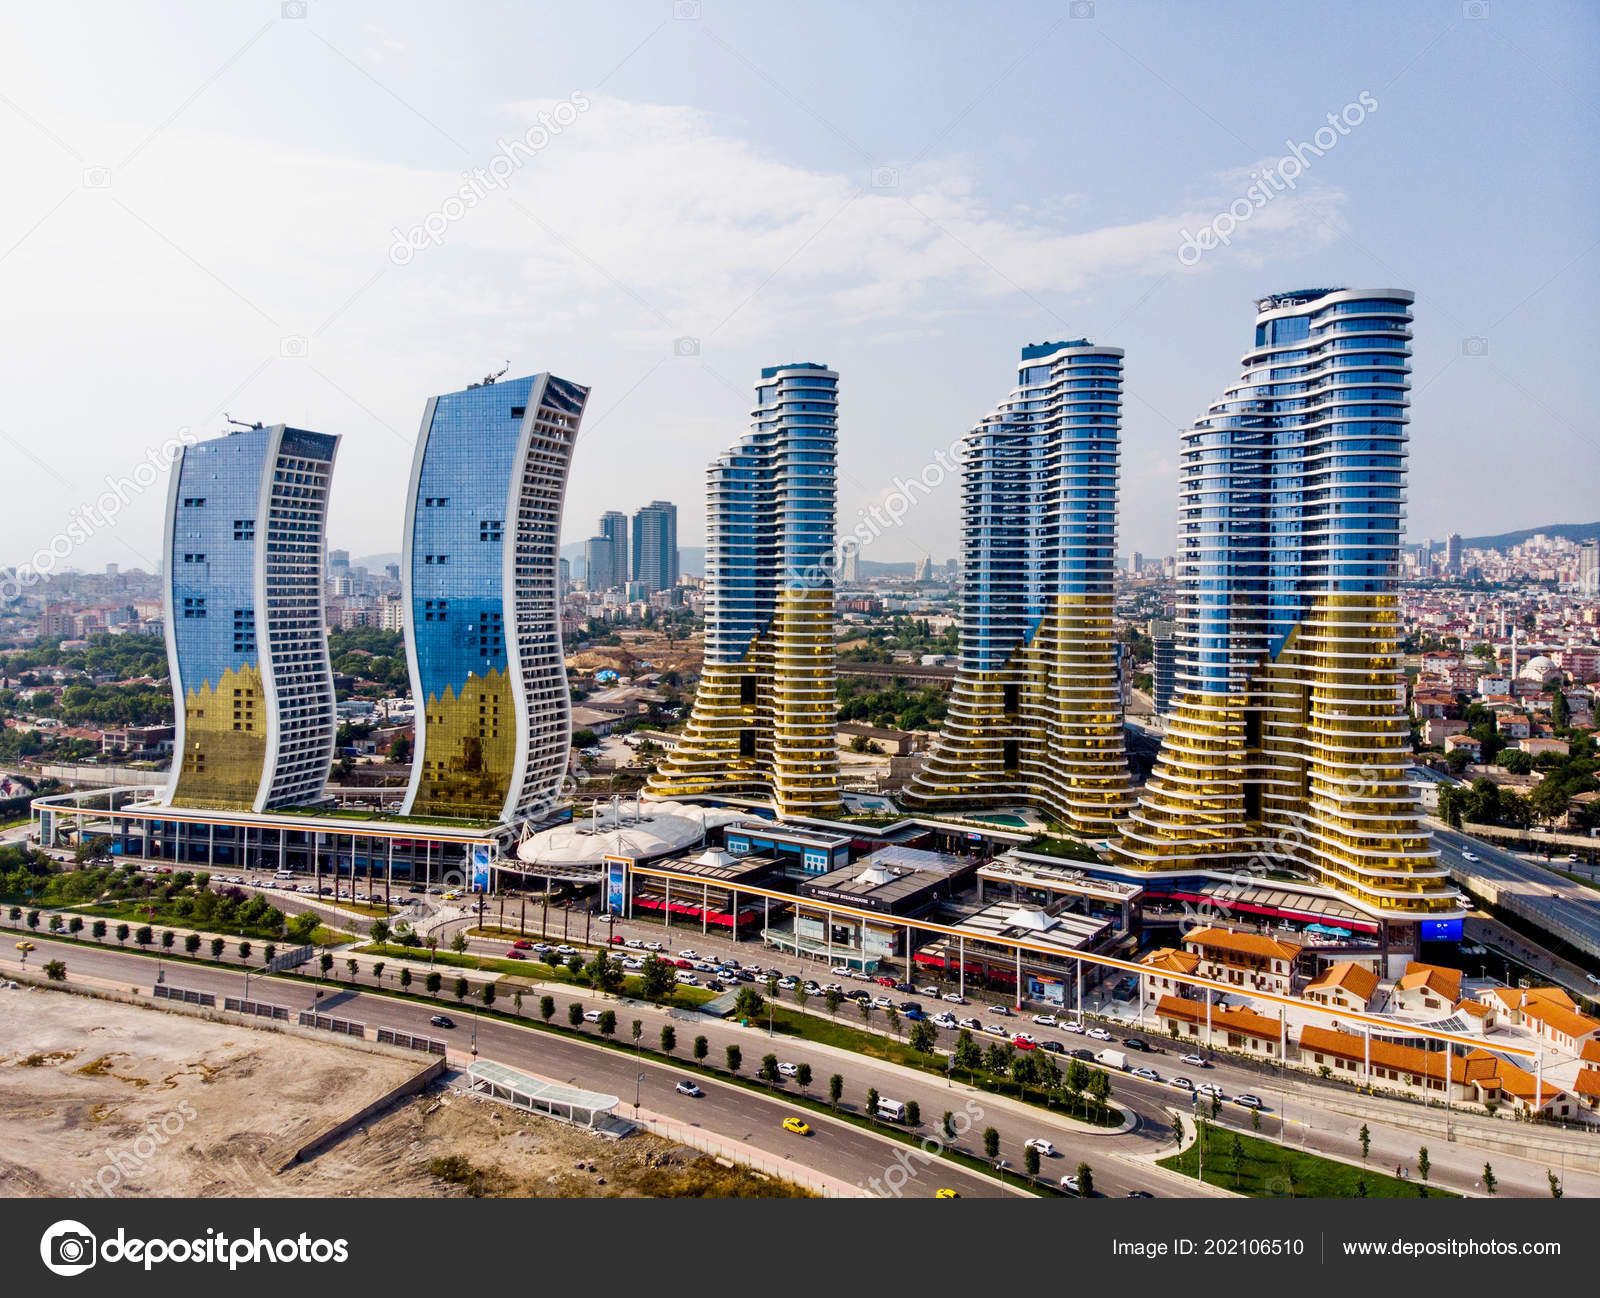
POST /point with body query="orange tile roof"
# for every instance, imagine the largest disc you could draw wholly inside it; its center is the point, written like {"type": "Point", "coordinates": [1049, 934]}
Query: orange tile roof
{"type": "Point", "coordinates": [1565, 1021]}
{"type": "Point", "coordinates": [1445, 981]}
{"type": "Point", "coordinates": [1590, 1054]}
{"type": "Point", "coordinates": [1244, 943]}
{"type": "Point", "coordinates": [1246, 1022]}
{"type": "Point", "coordinates": [1354, 978]}
{"type": "Point", "coordinates": [1551, 996]}
{"type": "Point", "coordinates": [1385, 1054]}
{"type": "Point", "coordinates": [1587, 1083]}
{"type": "Point", "coordinates": [1172, 960]}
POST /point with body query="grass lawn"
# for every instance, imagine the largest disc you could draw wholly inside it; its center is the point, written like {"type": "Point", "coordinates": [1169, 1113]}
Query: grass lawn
{"type": "Point", "coordinates": [138, 912]}
{"type": "Point", "coordinates": [1271, 1171]}
{"type": "Point", "coordinates": [533, 970]}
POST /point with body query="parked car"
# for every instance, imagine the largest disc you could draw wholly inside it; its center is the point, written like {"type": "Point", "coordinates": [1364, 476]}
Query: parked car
{"type": "Point", "coordinates": [591, 1016]}
{"type": "Point", "coordinates": [882, 1003]}
{"type": "Point", "coordinates": [972, 1025]}
{"type": "Point", "coordinates": [514, 954]}
{"type": "Point", "coordinates": [1249, 1101]}
{"type": "Point", "coordinates": [1022, 1041]}
{"type": "Point", "coordinates": [929, 990]}
{"type": "Point", "coordinates": [1182, 1083]}
{"type": "Point", "coordinates": [1045, 1020]}
{"type": "Point", "coordinates": [1099, 1034]}
{"type": "Point", "coordinates": [522, 944]}
{"type": "Point", "coordinates": [1072, 1025]}
{"type": "Point", "coordinates": [788, 1070]}
{"type": "Point", "coordinates": [995, 1030]}
{"type": "Point", "coordinates": [1133, 1043]}
{"type": "Point", "coordinates": [1071, 1182]}
{"type": "Point", "coordinates": [1194, 1061]}
{"type": "Point", "coordinates": [689, 953]}
{"type": "Point", "coordinates": [955, 998]}
{"type": "Point", "coordinates": [1149, 1074]}
{"type": "Point", "coordinates": [999, 1011]}
{"type": "Point", "coordinates": [1054, 1047]}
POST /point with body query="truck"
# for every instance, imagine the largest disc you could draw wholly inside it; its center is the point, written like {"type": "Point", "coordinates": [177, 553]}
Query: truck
{"type": "Point", "coordinates": [1112, 1059]}
{"type": "Point", "coordinates": [891, 1110]}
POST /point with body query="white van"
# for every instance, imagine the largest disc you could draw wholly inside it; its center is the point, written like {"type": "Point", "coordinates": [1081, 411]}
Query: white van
{"type": "Point", "coordinates": [892, 1110]}
{"type": "Point", "coordinates": [283, 874]}
{"type": "Point", "coordinates": [1112, 1059]}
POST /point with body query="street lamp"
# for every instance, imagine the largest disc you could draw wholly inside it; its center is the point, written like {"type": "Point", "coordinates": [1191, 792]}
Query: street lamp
{"type": "Point", "coordinates": [638, 1082]}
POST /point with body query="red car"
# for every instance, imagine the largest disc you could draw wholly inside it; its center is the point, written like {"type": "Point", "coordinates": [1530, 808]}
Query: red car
{"type": "Point", "coordinates": [616, 939]}
{"type": "Point", "coordinates": [1024, 1043]}
{"type": "Point", "coordinates": [514, 954]}
{"type": "Point", "coordinates": [522, 944]}
{"type": "Point", "coordinates": [884, 982]}
{"type": "Point", "coordinates": [683, 964]}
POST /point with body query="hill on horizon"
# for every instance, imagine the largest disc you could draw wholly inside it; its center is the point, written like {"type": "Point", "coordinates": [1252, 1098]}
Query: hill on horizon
{"type": "Point", "coordinates": [1505, 540]}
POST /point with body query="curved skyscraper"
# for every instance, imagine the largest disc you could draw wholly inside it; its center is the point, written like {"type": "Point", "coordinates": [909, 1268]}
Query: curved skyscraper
{"type": "Point", "coordinates": [764, 718]}
{"type": "Point", "coordinates": [246, 629]}
{"type": "Point", "coordinates": [1035, 714]}
{"type": "Point", "coordinates": [483, 628]}
{"type": "Point", "coordinates": [1287, 740]}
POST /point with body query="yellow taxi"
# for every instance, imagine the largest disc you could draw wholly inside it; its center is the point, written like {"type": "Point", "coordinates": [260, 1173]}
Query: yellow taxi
{"type": "Point", "coordinates": [799, 1126]}
{"type": "Point", "coordinates": [25, 947]}
{"type": "Point", "coordinates": [946, 1193]}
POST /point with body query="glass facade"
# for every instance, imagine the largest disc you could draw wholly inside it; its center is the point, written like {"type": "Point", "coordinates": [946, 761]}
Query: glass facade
{"type": "Point", "coordinates": [483, 627]}
{"type": "Point", "coordinates": [246, 627]}
{"type": "Point", "coordinates": [764, 715]}
{"type": "Point", "coordinates": [1036, 711]}
{"type": "Point", "coordinates": [1287, 740]}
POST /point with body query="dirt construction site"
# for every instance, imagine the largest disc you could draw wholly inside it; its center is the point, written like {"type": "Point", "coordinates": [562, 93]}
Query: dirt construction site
{"type": "Point", "coordinates": [105, 1099]}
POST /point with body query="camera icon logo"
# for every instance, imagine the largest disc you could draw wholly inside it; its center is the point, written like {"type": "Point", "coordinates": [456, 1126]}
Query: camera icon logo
{"type": "Point", "coordinates": [1081, 9]}
{"type": "Point", "coordinates": [686, 10]}
{"type": "Point", "coordinates": [68, 1248]}
{"type": "Point", "coordinates": [885, 178]}
{"type": "Point", "coordinates": [293, 8]}
{"type": "Point", "coordinates": [1474, 346]}
{"type": "Point", "coordinates": [1475, 8]}
{"type": "Point", "coordinates": [97, 177]}
{"type": "Point", "coordinates": [685, 346]}
{"type": "Point", "coordinates": [295, 347]}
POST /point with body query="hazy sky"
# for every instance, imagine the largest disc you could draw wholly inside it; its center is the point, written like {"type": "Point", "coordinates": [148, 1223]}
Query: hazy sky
{"type": "Point", "coordinates": [203, 202]}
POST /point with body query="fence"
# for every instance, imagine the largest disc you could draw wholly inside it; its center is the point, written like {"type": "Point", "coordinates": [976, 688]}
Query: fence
{"type": "Point", "coordinates": [260, 1009]}
{"type": "Point", "coordinates": [821, 1183]}
{"type": "Point", "coordinates": [289, 959]}
{"type": "Point", "coordinates": [390, 1036]}
{"type": "Point", "coordinates": [187, 995]}
{"type": "Point", "coordinates": [347, 1027]}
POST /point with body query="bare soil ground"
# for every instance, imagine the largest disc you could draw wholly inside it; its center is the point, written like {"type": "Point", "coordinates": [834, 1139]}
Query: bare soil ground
{"type": "Point", "coordinates": [102, 1098]}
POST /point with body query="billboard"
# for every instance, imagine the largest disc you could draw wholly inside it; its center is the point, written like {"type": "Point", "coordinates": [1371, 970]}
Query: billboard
{"type": "Point", "coordinates": [1442, 930]}
{"type": "Point", "coordinates": [617, 883]}
{"type": "Point", "coordinates": [480, 869]}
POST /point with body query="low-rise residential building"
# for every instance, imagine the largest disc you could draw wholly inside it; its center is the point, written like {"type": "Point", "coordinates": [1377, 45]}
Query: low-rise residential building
{"type": "Point", "coordinates": [1513, 725]}
{"type": "Point", "coordinates": [1165, 966]}
{"type": "Point", "coordinates": [1222, 1027]}
{"type": "Point", "coordinates": [1345, 985]}
{"type": "Point", "coordinates": [1535, 747]}
{"type": "Point", "coordinates": [1249, 961]}
{"type": "Point", "coordinates": [1463, 744]}
{"type": "Point", "coordinates": [1427, 988]}
{"type": "Point", "coordinates": [1437, 729]}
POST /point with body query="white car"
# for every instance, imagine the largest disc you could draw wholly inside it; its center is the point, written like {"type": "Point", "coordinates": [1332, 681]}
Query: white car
{"type": "Point", "coordinates": [786, 984]}
{"type": "Point", "coordinates": [633, 962]}
{"type": "Point", "coordinates": [972, 1025]}
{"type": "Point", "coordinates": [1149, 1074]}
{"type": "Point", "coordinates": [591, 1016]}
{"type": "Point", "coordinates": [955, 998]}
{"type": "Point", "coordinates": [945, 1021]}
{"type": "Point", "coordinates": [654, 946]}
{"type": "Point", "coordinates": [1182, 1083]}
{"type": "Point", "coordinates": [927, 991]}
{"type": "Point", "coordinates": [1099, 1034]}
{"type": "Point", "coordinates": [840, 971]}
{"type": "Point", "coordinates": [1193, 1061]}
{"type": "Point", "coordinates": [1027, 1038]}
{"type": "Point", "coordinates": [787, 1070]}
{"type": "Point", "coordinates": [999, 1011]}
{"type": "Point", "coordinates": [689, 1089]}
{"type": "Point", "coordinates": [1468, 856]}
{"type": "Point", "coordinates": [1072, 1025]}
{"type": "Point", "coordinates": [1593, 979]}
{"type": "Point", "coordinates": [687, 976]}
{"type": "Point", "coordinates": [1045, 1148]}
{"type": "Point", "coordinates": [1070, 1182]}
{"type": "Point", "coordinates": [995, 1030]}
{"type": "Point", "coordinates": [882, 1003]}
{"type": "Point", "coordinates": [1045, 1020]}
{"type": "Point", "coordinates": [1209, 1089]}
{"type": "Point", "coordinates": [689, 954]}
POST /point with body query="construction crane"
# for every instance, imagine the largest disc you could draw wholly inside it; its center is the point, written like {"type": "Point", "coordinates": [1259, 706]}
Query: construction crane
{"type": "Point", "coordinates": [241, 423]}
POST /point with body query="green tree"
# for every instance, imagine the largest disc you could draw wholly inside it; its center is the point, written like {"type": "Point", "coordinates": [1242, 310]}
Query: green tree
{"type": "Point", "coordinates": [405, 976]}
{"type": "Point", "coordinates": [191, 941]}
{"type": "Point", "coordinates": [433, 982]}
{"type": "Point", "coordinates": [604, 973]}
{"type": "Point", "coordinates": [893, 1015]}
{"type": "Point", "coordinates": [913, 1113]}
{"type": "Point", "coordinates": [872, 1102]}
{"type": "Point", "coordinates": [657, 979]}
{"type": "Point", "coordinates": [922, 1037]}
{"type": "Point", "coordinates": [735, 1058]}
{"type": "Point", "coordinates": [948, 1125]}
{"type": "Point", "coordinates": [325, 963]}
{"type": "Point", "coordinates": [575, 1014]}
{"type": "Point", "coordinates": [145, 935]}
{"type": "Point", "coordinates": [833, 998]}
{"type": "Point", "coordinates": [802, 1076]}
{"type": "Point", "coordinates": [991, 1143]}
{"type": "Point", "coordinates": [547, 1008]}
{"type": "Point", "coordinates": [835, 1090]}
{"type": "Point", "coordinates": [1556, 1190]}
{"type": "Point", "coordinates": [217, 948]}
{"type": "Point", "coordinates": [768, 1071]}
{"type": "Point", "coordinates": [1030, 1160]}
{"type": "Point", "coordinates": [351, 968]}
{"type": "Point", "coordinates": [458, 943]}
{"type": "Point", "coordinates": [379, 932]}
{"type": "Point", "coordinates": [1366, 1141]}
{"type": "Point", "coordinates": [702, 1048]}
{"type": "Point", "coordinates": [608, 1022]}
{"type": "Point", "coordinates": [55, 971]}
{"type": "Point", "coordinates": [377, 970]}
{"type": "Point", "coordinates": [1424, 1164]}
{"type": "Point", "coordinates": [1489, 1182]}
{"type": "Point", "coordinates": [98, 931]}
{"type": "Point", "coordinates": [488, 995]}
{"type": "Point", "coordinates": [168, 937]}
{"type": "Point", "coordinates": [669, 1039]}
{"type": "Point", "coordinates": [122, 929]}
{"type": "Point", "coordinates": [968, 1055]}
{"type": "Point", "coordinates": [1086, 1180]}
{"type": "Point", "coordinates": [747, 1004]}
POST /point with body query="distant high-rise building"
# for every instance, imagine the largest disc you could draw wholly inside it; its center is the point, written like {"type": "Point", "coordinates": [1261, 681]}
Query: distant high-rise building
{"type": "Point", "coordinates": [924, 569]}
{"type": "Point", "coordinates": [764, 719]}
{"type": "Point", "coordinates": [391, 571]}
{"type": "Point", "coordinates": [1288, 742]}
{"type": "Point", "coordinates": [1452, 554]}
{"type": "Point", "coordinates": [1164, 661]}
{"type": "Point", "coordinates": [112, 570]}
{"type": "Point", "coordinates": [338, 563]}
{"type": "Point", "coordinates": [655, 546]}
{"type": "Point", "coordinates": [564, 577]}
{"type": "Point", "coordinates": [246, 624]}
{"type": "Point", "coordinates": [1135, 563]}
{"type": "Point", "coordinates": [849, 562]}
{"type": "Point", "coordinates": [599, 568]}
{"type": "Point", "coordinates": [614, 527]}
{"type": "Point", "coordinates": [1589, 567]}
{"type": "Point", "coordinates": [1035, 713]}
{"type": "Point", "coordinates": [493, 711]}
